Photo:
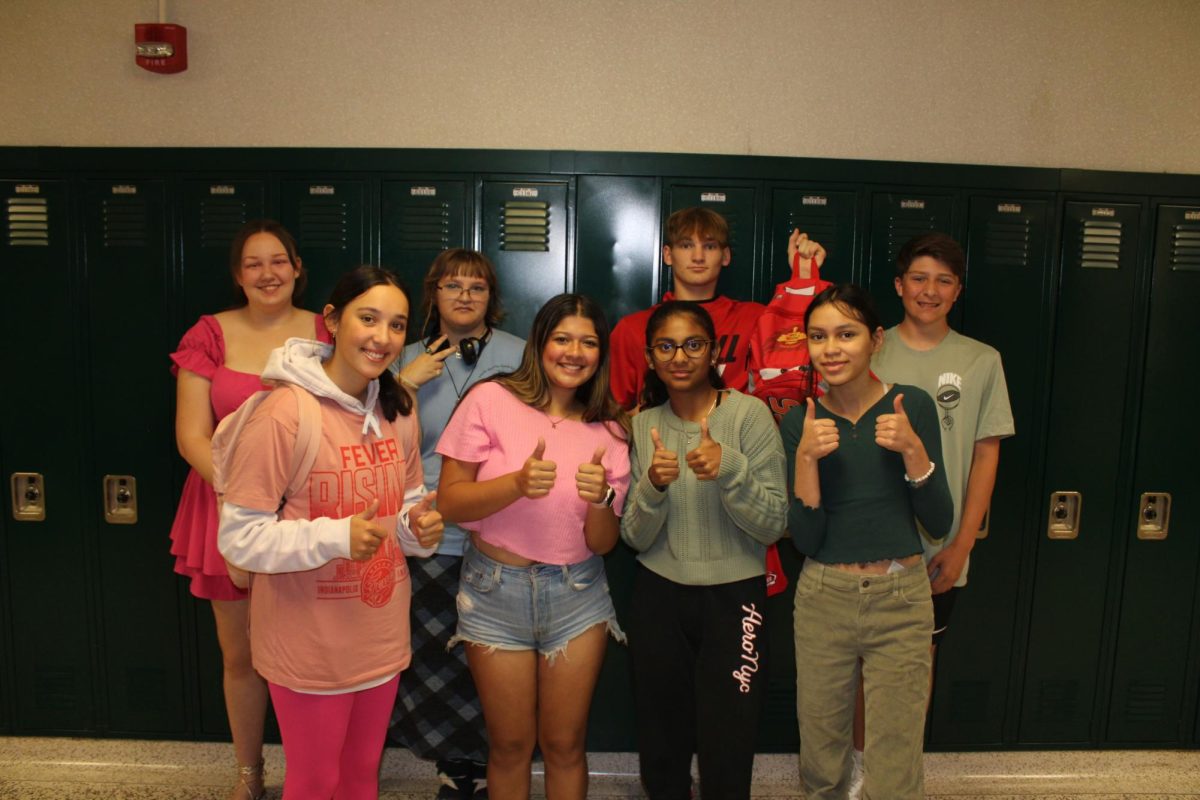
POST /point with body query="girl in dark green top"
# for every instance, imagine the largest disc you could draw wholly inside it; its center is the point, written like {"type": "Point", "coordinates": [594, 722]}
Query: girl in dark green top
{"type": "Point", "coordinates": [862, 461]}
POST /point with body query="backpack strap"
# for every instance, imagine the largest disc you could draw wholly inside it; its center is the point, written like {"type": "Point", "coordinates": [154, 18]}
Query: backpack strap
{"type": "Point", "coordinates": [308, 439]}
{"type": "Point", "coordinates": [816, 270]}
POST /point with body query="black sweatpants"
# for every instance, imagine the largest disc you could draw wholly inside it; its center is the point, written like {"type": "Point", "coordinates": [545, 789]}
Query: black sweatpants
{"type": "Point", "coordinates": [698, 683]}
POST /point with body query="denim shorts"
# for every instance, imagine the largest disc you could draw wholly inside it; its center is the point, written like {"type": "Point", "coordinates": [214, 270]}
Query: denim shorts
{"type": "Point", "coordinates": [540, 607]}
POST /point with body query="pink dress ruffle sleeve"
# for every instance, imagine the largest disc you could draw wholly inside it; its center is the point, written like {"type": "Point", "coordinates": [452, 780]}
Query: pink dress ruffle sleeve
{"type": "Point", "coordinates": [194, 532]}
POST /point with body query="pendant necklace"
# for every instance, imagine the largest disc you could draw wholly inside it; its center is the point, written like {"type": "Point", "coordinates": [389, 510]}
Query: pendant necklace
{"type": "Point", "coordinates": [715, 403]}
{"type": "Point", "coordinates": [554, 422]}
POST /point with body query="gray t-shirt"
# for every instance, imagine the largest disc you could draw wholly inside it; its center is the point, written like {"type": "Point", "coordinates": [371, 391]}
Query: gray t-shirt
{"type": "Point", "coordinates": [966, 381]}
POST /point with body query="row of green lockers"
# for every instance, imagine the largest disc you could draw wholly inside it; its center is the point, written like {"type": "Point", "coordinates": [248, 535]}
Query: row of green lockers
{"type": "Point", "coordinates": [1069, 634]}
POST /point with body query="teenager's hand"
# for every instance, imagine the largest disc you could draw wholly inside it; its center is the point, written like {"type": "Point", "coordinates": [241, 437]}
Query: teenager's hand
{"type": "Point", "coordinates": [820, 436]}
{"type": "Point", "coordinates": [945, 567]}
{"type": "Point", "coordinates": [664, 466]}
{"type": "Point", "coordinates": [808, 249]}
{"type": "Point", "coordinates": [705, 460]}
{"type": "Point", "coordinates": [426, 521]}
{"type": "Point", "coordinates": [427, 366]}
{"type": "Point", "coordinates": [590, 480]}
{"type": "Point", "coordinates": [536, 477]}
{"type": "Point", "coordinates": [365, 533]}
{"type": "Point", "coordinates": [894, 432]}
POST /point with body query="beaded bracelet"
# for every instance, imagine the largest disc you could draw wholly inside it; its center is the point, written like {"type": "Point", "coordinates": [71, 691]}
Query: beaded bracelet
{"type": "Point", "coordinates": [917, 483]}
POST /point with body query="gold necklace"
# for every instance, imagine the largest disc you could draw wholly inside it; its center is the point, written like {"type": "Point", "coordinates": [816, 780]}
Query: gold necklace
{"type": "Point", "coordinates": [706, 414]}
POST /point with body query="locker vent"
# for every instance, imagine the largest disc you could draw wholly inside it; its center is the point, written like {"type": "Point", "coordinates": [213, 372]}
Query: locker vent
{"type": "Point", "coordinates": [525, 226]}
{"type": "Point", "coordinates": [424, 225]}
{"type": "Point", "coordinates": [220, 220]}
{"type": "Point", "coordinates": [1185, 247]}
{"type": "Point", "coordinates": [28, 221]}
{"type": "Point", "coordinates": [1145, 702]}
{"type": "Point", "coordinates": [969, 701]}
{"type": "Point", "coordinates": [901, 229]}
{"type": "Point", "coordinates": [819, 223]}
{"type": "Point", "coordinates": [1100, 244]}
{"type": "Point", "coordinates": [124, 221]}
{"type": "Point", "coordinates": [1057, 700]}
{"type": "Point", "coordinates": [54, 688]}
{"type": "Point", "coordinates": [146, 689]}
{"type": "Point", "coordinates": [1006, 242]}
{"type": "Point", "coordinates": [324, 223]}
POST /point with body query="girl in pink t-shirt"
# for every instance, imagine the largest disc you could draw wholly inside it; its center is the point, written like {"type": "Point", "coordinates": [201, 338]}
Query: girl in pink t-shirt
{"type": "Point", "coordinates": [329, 592]}
{"type": "Point", "coordinates": [532, 586]}
{"type": "Point", "coordinates": [217, 366]}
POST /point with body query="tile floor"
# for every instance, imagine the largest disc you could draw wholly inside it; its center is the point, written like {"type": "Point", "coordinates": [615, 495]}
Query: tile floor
{"type": "Point", "coordinates": [89, 769]}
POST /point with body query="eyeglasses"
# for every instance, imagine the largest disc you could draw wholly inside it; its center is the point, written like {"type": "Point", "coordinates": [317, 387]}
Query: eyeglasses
{"type": "Point", "coordinates": [476, 292]}
{"type": "Point", "coordinates": [665, 351]}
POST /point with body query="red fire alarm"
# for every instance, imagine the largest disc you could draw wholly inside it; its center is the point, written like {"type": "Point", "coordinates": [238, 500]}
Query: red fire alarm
{"type": "Point", "coordinates": [161, 46]}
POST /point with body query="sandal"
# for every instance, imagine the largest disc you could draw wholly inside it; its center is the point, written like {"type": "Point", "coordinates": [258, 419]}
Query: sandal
{"type": "Point", "coordinates": [251, 783]}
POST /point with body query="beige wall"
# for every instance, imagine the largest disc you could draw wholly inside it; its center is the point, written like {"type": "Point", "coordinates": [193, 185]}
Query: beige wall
{"type": "Point", "coordinates": [1109, 84]}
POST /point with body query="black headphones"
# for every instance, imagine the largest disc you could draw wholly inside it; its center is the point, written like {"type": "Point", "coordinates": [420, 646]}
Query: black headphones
{"type": "Point", "coordinates": [469, 347]}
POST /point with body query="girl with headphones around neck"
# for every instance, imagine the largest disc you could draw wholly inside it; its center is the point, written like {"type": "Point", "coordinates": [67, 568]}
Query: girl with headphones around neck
{"type": "Point", "coordinates": [460, 346]}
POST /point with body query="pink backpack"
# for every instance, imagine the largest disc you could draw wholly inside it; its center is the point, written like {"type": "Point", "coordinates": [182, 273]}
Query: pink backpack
{"type": "Point", "coordinates": [308, 441]}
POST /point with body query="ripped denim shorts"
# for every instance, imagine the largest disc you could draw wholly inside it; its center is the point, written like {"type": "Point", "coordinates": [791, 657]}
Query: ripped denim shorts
{"type": "Point", "coordinates": [541, 607]}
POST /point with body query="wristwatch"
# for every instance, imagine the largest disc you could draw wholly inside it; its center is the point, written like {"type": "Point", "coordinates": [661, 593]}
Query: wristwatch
{"type": "Point", "coordinates": [609, 497]}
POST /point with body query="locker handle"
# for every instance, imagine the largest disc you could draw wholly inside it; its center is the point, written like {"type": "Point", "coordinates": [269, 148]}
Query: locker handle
{"type": "Point", "coordinates": [1065, 512]}
{"type": "Point", "coordinates": [28, 496]}
{"type": "Point", "coordinates": [1154, 516]}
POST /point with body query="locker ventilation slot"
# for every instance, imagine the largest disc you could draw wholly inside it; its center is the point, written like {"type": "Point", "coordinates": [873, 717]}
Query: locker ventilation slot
{"type": "Point", "coordinates": [819, 227]}
{"type": "Point", "coordinates": [220, 220]}
{"type": "Point", "coordinates": [1006, 243]}
{"type": "Point", "coordinates": [1185, 247]}
{"type": "Point", "coordinates": [28, 221]}
{"type": "Point", "coordinates": [323, 223]}
{"type": "Point", "coordinates": [1100, 245]}
{"type": "Point", "coordinates": [54, 688]}
{"type": "Point", "coordinates": [124, 222]}
{"type": "Point", "coordinates": [424, 225]}
{"type": "Point", "coordinates": [1057, 700]}
{"type": "Point", "coordinates": [1145, 702]}
{"type": "Point", "coordinates": [525, 226]}
{"type": "Point", "coordinates": [969, 701]}
{"type": "Point", "coordinates": [901, 229]}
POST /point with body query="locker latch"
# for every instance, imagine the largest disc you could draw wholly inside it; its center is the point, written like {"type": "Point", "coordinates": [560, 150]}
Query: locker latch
{"type": "Point", "coordinates": [120, 499]}
{"type": "Point", "coordinates": [1154, 513]}
{"type": "Point", "coordinates": [1065, 508]}
{"type": "Point", "coordinates": [28, 496]}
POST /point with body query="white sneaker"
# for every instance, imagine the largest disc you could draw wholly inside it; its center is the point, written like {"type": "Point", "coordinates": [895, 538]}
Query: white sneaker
{"type": "Point", "coordinates": [857, 775]}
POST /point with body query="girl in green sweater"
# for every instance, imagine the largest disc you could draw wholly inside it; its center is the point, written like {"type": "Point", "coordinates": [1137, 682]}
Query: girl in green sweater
{"type": "Point", "coordinates": [709, 497]}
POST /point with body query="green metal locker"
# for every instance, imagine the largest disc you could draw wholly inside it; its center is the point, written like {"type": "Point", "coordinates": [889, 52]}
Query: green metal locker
{"type": "Point", "coordinates": [1160, 521]}
{"type": "Point", "coordinates": [1005, 304]}
{"type": "Point", "coordinates": [49, 590]}
{"type": "Point", "coordinates": [896, 216]}
{"type": "Point", "coordinates": [525, 229]}
{"type": "Point", "coordinates": [618, 245]}
{"type": "Point", "coordinates": [739, 203]}
{"type": "Point", "coordinates": [419, 219]}
{"type": "Point", "coordinates": [127, 496]}
{"type": "Point", "coordinates": [329, 220]}
{"type": "Point", "coordinates": [211, 212]}
{"type": "Point", "coordinates": [831, 217]}
{"type": "Point", "coordinates": [1093, 340]}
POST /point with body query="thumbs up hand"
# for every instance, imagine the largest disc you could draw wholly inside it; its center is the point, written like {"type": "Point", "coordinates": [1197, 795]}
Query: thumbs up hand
{"type": "Point", "coordinates": [590, 479]}
{"type": "Point", "coordinates": [819, 437]}
{"type": "Point", "coordinates": [705, 460]}
{"type": "Point", "coordinates": [365, 533]}
{"type": "Point", "coordinates": [664, 466]}
{"type": "Point", "coordinates": [426, 521]}
{"type": "Point", "coordinates": [894, 432]}
{"type": "Point", "coordinates": [536, 477]}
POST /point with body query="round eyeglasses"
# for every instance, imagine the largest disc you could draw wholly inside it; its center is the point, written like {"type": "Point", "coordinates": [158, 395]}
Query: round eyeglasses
{"type": "Point", "coordinates": [475, 292]}
{"type": "Point", "coordinates": [692, 348]}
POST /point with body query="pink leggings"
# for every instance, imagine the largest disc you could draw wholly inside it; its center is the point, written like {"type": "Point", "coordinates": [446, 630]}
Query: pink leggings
{"type": "Point", "coordinates": [333, 742]}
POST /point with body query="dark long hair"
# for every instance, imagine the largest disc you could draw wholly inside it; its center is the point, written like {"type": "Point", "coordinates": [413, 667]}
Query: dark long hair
{"type": "Point", "coordinates": [528, 382]}
{"type": "Point", "coordinates": [277, 230]}
{"type": "Point", "coordinates": [654, 391]}
{"type": "Point", "coordinates": [392, 399]}
{"type": "Point", "coordinates": [851, 299]}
